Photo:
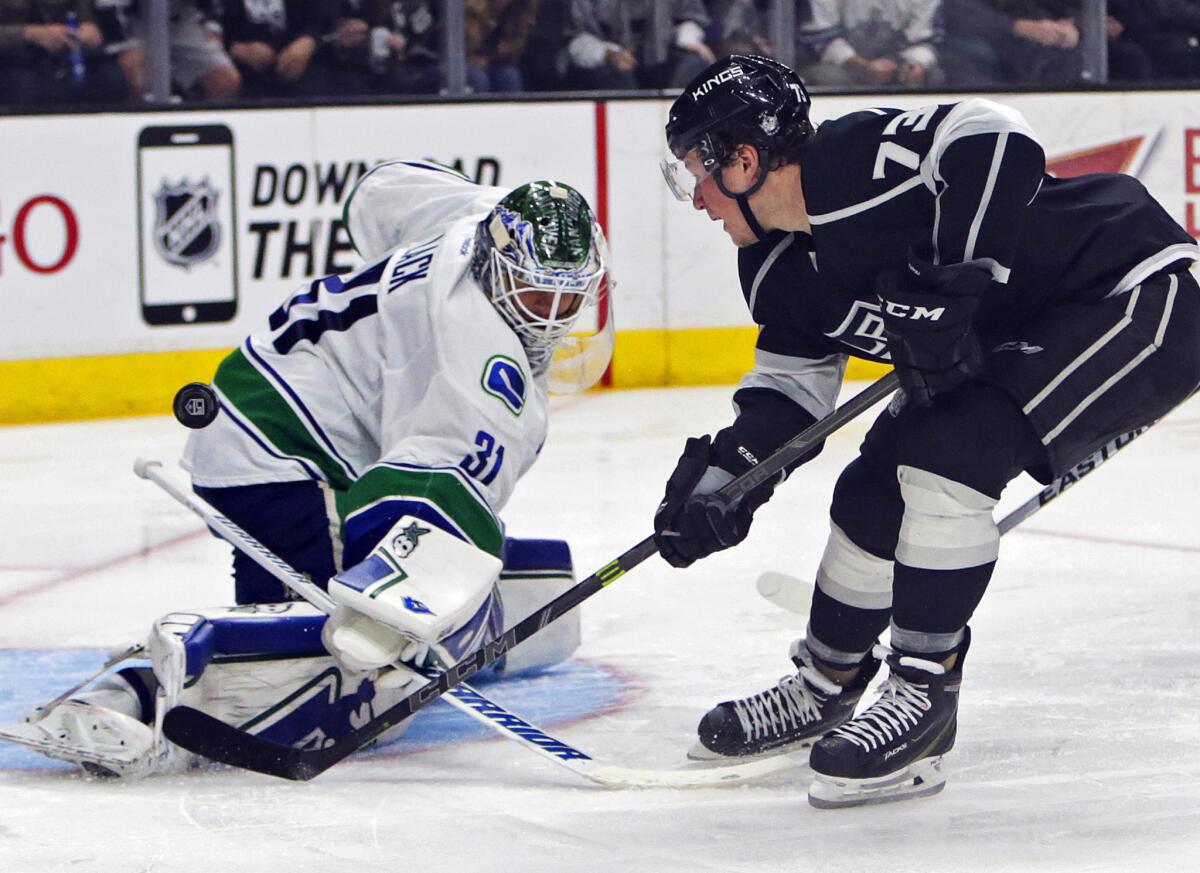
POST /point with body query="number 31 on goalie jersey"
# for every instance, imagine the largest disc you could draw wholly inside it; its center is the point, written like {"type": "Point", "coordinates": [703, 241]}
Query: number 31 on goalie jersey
{"type": "Point", "coordinates": [484, 464]}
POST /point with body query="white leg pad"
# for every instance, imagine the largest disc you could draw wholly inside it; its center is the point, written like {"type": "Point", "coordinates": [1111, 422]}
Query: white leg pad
{"type": "Point", "coordinates": [524, 595]}
{"type": "Point", "coordinates": [535, 572]}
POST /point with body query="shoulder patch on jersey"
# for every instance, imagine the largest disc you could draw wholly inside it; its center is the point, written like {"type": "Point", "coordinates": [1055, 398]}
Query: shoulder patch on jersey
{"type": "Point", "coordinates": [502, 378]}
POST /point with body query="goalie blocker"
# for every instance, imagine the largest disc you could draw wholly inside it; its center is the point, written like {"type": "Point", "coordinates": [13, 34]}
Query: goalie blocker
{"type": "Point", "coordinates": [263, 667]}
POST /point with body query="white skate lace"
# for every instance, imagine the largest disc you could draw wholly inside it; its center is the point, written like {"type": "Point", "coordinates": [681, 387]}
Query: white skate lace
{"type": "Point", "coordinates": [787, 706]}
{"type": "Point", "coordinates": [900, 707]}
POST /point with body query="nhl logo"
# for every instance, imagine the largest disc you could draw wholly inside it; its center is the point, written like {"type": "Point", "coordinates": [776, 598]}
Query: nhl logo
{"type": "Point", "coordinates": [186, 229]}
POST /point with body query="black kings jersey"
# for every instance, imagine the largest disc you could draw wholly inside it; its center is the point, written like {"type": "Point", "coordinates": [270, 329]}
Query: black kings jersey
{"type": "Point", "coordinates": [956, 182]}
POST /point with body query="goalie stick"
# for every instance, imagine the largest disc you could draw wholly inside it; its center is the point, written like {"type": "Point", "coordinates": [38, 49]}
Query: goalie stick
{"type": "Point", "coordinates": [462, 697]}
{"type": "Point", "coordinates": [219, 741]}
{"type": "Point", "coordinates": [795, 594]}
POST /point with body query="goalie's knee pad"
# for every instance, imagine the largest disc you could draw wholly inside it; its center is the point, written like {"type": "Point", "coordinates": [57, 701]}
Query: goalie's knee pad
{"type": "Point", "coordinates": [535, 572]}
{"type": "Point", "coordinates": [947, 525]}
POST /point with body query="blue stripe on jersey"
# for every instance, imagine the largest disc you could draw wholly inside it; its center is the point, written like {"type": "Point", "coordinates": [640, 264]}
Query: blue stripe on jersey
{"type": "Point", "coordinates": [362, 531]}
{"type": "Point", "coordinates": [299, 404]}
{"type": "Point", "coordinates": [229, 409]}
{"type": "Point", "coordinates": [422, 165]}
{"type": "Point", "coordinates": [334, 284]}
{"type": "Point", "coordinates": [311, 329]}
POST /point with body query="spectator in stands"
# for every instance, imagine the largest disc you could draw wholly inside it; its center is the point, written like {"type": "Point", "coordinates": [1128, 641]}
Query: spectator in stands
{"type": "Point", "coordinates": [44, 60]}
{"type": "Point", "coordinates": [357, 51]}
{"type": "Point", "coordinates": [874, 42]}
{"type": "Point", "coordinates": [738, 27]}
{"type": "Point", "coordinates": [619, 44]}
{"type": "Point", "coordinates": [496, 34]}
{"type": "Point", "coordinates": [199, 64]}
{"type": "Point", "coordinates": [273, 43]}
{"type": "Point", "coordinates": [544, 63]}
{"type": "Point", "coordinates": [1169, 31]}
{"type": "Point", "coordinates": [1009, 41]}
{"type": "Point", "coordinates": [1127, 61]}
{"type": "Point", "coordinates": [415, 39]}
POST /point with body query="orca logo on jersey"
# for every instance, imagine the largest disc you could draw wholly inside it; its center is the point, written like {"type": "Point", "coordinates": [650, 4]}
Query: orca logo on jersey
{"type": "Point", "coordinates": [913, 313]}
{"type": "Point", "coordinates": [733, 72]}
{"type": "Point", "coordinates": [502, 378]}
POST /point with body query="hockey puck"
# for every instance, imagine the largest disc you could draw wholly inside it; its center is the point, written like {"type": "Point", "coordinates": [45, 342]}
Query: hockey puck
{"type": "Point", "coordinates": [196, 405]}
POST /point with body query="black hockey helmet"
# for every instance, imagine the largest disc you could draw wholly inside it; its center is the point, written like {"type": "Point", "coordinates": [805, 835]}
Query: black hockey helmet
{"type": "Point", "coordinates": [740, 99]}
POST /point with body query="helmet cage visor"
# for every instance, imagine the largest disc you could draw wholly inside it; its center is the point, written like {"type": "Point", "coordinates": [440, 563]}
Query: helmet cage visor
{"type": "Point", "coordinates": [681, 181]}
{"type": "Point", "coordinates": [543, 303]}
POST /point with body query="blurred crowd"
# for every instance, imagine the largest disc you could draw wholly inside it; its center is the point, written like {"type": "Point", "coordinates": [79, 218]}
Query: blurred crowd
{"type": "Point", "coordinates": [94, 51]}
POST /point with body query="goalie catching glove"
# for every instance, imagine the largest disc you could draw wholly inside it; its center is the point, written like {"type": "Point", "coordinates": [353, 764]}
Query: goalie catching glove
{"type": "Point", "coordinates": [421, 589]}
{"type": "Point", "coordinates": [690, 523]}
{"type": "Point", "coordinates": [927, 312]}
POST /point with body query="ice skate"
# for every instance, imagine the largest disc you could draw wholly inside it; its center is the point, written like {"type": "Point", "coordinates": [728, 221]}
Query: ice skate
{"type": "Point", "coordinates": [790, 715]}
{"type": "Point", "coordinates": [894, 749]}
{"type": "Point", "coordinates": [102, 741]}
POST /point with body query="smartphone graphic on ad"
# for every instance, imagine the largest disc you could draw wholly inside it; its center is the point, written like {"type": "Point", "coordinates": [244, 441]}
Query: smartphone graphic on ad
{"type": "Point", "coordinates": [187, 224]}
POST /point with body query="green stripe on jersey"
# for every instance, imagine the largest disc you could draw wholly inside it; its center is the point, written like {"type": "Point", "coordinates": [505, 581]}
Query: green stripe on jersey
{"type": "Point", "coordinates": [256, 399]}
{"type": "Point", "coordinates": [440, 488]}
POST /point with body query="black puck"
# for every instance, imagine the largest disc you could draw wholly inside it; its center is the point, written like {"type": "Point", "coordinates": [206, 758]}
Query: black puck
{"type": "Point", "coordinates": [196, 405]}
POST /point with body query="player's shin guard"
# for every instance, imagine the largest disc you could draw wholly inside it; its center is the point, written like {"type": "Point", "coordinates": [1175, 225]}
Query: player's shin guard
{"type": "Point", "coordinates": [894, 748]}
{"type": "Point", "coordinates": [789, 715]}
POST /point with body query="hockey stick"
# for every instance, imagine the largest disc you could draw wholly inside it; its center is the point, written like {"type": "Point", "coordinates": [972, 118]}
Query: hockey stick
{"type": "Point", "coordinates": [463, 697]}
{"type": "Point", "coordinates": [1069, 478]}
{"type": "Point", "coordinates": [215, 739]}
{"type": "Point", "coordinates": [794, 594]}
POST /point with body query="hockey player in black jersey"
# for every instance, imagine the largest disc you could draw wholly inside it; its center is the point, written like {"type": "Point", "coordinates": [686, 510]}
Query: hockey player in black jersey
{"type": "Point", "coordinates": [1030, 320]}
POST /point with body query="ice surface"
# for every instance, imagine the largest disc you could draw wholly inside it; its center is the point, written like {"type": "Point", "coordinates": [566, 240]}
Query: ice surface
{"type": "Point", "coordinates": [1079, 735]}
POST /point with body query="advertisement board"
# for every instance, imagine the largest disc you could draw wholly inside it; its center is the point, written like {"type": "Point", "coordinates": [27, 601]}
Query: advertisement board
{"type": "Point", "coordinates": [135, 248]}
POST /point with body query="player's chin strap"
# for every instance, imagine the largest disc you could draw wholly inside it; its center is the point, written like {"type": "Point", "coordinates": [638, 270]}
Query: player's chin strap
{"type": "Point", "coordinates": [743, 199]}
{"type": "Point", "coordinates": [463, 697]}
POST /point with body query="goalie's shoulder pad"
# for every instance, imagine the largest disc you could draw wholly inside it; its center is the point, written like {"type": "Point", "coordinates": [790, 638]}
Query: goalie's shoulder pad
{"type": "Point", "coordinates": [421, 580]}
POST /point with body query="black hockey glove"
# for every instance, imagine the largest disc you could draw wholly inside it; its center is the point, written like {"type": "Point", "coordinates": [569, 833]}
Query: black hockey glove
{"type": "Point", "coordinates": [927, 311]}
{"type": "Point", "coordinates": [689, 526]}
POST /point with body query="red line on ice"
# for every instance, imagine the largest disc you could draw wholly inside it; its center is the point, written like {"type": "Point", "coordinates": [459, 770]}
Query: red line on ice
{"type": "Point", "coordinates": [79, 572]}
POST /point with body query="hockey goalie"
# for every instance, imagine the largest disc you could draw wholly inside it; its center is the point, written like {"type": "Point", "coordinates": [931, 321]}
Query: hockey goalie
{"type": "Point", "coordinates": [369, 435]}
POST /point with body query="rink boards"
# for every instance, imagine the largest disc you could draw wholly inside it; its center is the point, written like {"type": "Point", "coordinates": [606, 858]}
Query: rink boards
{"type": "Point", "coordinates": [136, 248]}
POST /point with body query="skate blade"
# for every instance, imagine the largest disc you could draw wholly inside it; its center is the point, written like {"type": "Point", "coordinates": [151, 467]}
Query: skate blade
{"type": "Point", "coordinates": [17, 734]}
{"type": "Point", "coordinates": [919, 779]}
{"type": "Point", "coordinates": [701, 754]}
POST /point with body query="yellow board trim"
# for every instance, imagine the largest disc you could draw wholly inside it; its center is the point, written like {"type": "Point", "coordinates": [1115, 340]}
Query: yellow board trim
{"type": "Point", "coordinates": [697, 356]}
{"type": "Point", "coordinates": [100, 386]}
{"type": "Point", "coordinates": [117, 386]}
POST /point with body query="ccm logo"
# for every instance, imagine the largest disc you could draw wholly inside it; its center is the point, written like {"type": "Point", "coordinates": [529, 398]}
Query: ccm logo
{"type": "Point", "coordinates": [916, 313]}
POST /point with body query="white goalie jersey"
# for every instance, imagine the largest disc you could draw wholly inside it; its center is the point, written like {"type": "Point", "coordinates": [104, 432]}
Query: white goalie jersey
{"type": "Point", "coordinates": [399, 385]}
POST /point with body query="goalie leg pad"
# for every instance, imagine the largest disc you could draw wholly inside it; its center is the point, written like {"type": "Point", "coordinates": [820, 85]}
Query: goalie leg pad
{"type": "Point", "coordinates": [535, 572]}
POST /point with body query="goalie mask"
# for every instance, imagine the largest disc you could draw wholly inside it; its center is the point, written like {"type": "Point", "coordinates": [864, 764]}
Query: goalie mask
{"type": "Point", "coordinates": [541, 257]}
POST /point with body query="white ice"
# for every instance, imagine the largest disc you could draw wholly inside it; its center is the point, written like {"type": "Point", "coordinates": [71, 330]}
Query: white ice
{"type": "Point", "coordinates": [1079, 732]}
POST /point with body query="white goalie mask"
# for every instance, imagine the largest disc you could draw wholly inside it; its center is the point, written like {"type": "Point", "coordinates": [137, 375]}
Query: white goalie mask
{"type": "Point", "coordinates": [542, 259]}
